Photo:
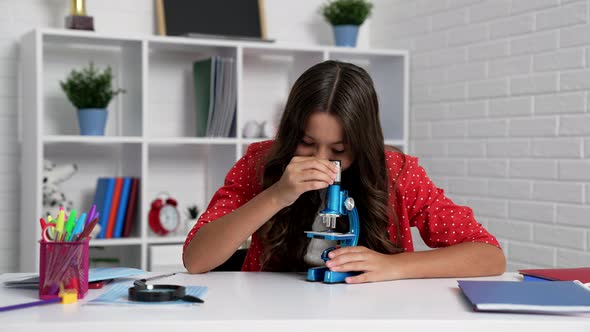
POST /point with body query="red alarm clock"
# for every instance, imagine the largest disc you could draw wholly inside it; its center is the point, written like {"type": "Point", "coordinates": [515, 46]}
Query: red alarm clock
{"type": "Point", "coordinates": [164, 216]}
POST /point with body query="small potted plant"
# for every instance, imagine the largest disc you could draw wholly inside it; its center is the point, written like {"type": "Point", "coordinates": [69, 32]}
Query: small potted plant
{"type": "Point", "coordinates": [346, 16]}
{"type": "Point", "coordinates": [90, 91]}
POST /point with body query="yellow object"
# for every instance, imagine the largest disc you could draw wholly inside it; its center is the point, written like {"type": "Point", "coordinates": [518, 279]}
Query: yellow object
{"type": "Point", "coordinates": [59, 225]}
{"type": "Point", "coordinates": [68, 296]}
{"type": "Point", "coordinates": [78, 7]}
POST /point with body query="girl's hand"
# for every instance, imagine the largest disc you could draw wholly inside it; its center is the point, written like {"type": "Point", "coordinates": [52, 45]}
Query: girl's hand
{"type": "Point", "coordinates": [303, 174]}
{"type": "Point", "coordinates": [375, 266]}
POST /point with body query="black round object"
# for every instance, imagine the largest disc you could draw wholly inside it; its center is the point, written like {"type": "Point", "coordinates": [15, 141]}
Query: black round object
{"type": "Point", "coordinates": [157, 293]}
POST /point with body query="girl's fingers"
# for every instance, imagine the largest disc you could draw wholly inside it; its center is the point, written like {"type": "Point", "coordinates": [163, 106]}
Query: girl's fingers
{"type": "Point", "coordinates": [322, 165]}
{"type": "Point", "coordinates": [314, 175]}
{"type": "Point", "coordinates": [346, 250]}
{"type": "Point", "coordinates": [342, 260]}
{"type": "Point", "coordinates": [361, 278]}
{"type": "Point", "coordinates": [352, 266]}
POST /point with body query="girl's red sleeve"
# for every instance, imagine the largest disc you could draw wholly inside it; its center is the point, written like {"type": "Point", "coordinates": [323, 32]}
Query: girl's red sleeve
{"type": "Point", "coordinates": [440, 221]}
{"type": "Point", "coordinates": [241, 185]}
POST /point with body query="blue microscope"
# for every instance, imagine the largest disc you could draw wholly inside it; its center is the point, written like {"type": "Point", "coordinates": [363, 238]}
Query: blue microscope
{"type": "Point", "coordinates": [337, 204]}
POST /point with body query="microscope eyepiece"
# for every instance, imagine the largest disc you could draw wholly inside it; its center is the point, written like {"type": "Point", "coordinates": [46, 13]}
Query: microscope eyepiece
{"type": "Point", "coordinates": [338, 164]}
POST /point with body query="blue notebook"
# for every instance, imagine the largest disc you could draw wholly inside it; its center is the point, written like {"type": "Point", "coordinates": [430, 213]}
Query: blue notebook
{"type": "Point", "coordinates": [118, 232]}
{"type": "Point", "coordinates": [533, 297]}
{"type": "Point", "coordinates": [103, 199]}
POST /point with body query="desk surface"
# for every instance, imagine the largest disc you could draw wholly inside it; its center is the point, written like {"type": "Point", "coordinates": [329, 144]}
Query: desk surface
{"type": "Point", "coordinates": [239, 301]}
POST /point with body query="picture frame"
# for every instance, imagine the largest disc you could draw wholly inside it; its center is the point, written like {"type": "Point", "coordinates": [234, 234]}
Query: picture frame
{"type": "Point", "coordinates": [211, 18]}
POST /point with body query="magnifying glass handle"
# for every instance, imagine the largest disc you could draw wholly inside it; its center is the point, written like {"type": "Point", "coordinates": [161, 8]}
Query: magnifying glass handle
{"type": "Point", "coordinates": [194, 299]}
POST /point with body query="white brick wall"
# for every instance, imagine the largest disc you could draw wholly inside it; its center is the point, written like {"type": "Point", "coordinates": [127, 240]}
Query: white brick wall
{"type": "Point", "coordinates": [290, 22]}
{"type": "Point", "coordinates": [500, 117]}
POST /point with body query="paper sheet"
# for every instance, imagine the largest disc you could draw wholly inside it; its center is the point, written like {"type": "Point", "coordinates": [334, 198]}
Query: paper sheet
{"type": "Point", "coordinates": [118, 294]}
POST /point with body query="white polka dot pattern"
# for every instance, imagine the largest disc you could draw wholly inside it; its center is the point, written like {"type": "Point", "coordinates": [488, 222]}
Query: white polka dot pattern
{"type": "Point", "coordinates": [417, 203]}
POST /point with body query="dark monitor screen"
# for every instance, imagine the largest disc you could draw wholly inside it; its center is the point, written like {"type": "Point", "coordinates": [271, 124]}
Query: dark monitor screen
{"type": "Point", "coordinates": [216, 17]}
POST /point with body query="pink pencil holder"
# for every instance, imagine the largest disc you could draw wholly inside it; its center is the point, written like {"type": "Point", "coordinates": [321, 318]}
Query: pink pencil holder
{"type": "Point", "coordinates": [63, 265]}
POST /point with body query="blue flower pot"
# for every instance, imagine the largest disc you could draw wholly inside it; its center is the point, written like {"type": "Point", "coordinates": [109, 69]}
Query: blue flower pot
{"type": "Point", "coordinates": [346, 35]}
{"type": "Point", "coordinates": [92, 121]}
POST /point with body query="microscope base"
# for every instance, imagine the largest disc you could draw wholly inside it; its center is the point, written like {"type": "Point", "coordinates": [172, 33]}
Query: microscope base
{"type": "Point", "coordinates": [327, 276]}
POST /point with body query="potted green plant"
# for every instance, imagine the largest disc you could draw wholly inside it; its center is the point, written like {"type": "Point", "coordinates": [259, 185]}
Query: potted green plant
{"type": "Point", "coordinates": [90, 90]}
{"type": "Point", "coordinates": [346, 16]}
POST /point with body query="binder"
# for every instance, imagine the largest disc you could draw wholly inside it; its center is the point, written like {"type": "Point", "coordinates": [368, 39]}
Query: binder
{"type": "Point", "coordinates": [581, 273]}
{"type": "Point", "coordinates": [102, 198]}
{"type": "Point", "coordinates": [131, 208]}
{"type": "Point", "coordinates": [114, 208]}
{"type": "Point", "coordinates": [203, 79]}
{"type": "Point", "coordinates": [120, 219]}
{"type": "Point", "coordinates": [527, 297]}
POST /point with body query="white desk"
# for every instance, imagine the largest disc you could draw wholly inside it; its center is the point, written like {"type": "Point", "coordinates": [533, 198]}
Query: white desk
{"type": "Point", "coordinates": [246, 301]}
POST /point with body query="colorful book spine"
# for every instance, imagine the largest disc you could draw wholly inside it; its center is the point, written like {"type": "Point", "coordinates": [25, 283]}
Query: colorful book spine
{"type": "Point", "coordinates": [120, 219]}
{"type": "Point", "coordinates": [131, 208]}
{"type": "Point", "coordinates": [114, 208]}
{"type": "Point", "coordinates": [103, 198]}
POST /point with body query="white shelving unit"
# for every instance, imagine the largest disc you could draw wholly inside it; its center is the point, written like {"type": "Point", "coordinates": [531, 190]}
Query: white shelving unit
{"type": "Point", "coordinates": [151, 128]}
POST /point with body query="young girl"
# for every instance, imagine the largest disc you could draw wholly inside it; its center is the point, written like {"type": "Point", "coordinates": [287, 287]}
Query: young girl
{"type": "Point", "coordinates": [274, 193]}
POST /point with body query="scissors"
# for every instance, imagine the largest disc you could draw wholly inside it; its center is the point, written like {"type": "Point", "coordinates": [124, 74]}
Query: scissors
{"type": "Point", "coordinates": [48, 230]}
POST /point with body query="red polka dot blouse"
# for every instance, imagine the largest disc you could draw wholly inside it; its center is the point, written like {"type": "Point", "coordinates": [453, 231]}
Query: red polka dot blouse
{"type": "Point", "coordinates": [417, 202]}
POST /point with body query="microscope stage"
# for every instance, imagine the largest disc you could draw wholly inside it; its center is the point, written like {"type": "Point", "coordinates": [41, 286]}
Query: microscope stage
{"type": "Point", "coordinates": [330, 235]}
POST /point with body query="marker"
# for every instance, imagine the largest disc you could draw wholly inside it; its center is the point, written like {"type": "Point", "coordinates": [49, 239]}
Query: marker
{"type": "Point", "coordinates": [69, 226]}
{"type": "Point", "coordinates": [87, 230]}
{"type": "Point", "coordinates": [59, 225]}
{"type": "Point", "coordinates": [79, 226]}
{"type": "Point", "coordinates": [91, 214]}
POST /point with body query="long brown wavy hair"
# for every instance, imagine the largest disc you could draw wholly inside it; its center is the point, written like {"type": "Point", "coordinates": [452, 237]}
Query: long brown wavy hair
{"type": "Point", "coordinates": [345, 91]}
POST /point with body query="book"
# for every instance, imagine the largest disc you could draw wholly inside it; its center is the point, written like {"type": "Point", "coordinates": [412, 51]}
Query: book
{"type": "Point", "coordinates": [581, 273]}
{"type": "Point", "coordinates": [131, 208]}
{"type": "Point", "coordinates": [120, 219]}
{"type": "Point", "coordinates": [102, 199]}
{"type": "Point", "coordinates": [114, 208]}
{"type": "Point", "coordinates": [203, 78]}
{"type": "Point", "coordinates": [527, 297]}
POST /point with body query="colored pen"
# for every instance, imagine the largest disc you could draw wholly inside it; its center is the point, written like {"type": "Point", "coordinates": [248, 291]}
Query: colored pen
{"type": "Point", "coordinates": [59, 225]}
{"type": "Point", "coordinates": [69, 226]}
{"type": "Point", "coordinates": [30, 304]}
{"type": "Point", "coordinates": [87, 230]}
{"type": "Point", "coordinates": [91, 214]}
{"type": "Point", "coordinates": [79, 226]}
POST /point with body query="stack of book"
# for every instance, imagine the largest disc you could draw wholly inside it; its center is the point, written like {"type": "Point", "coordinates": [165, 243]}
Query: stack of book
{"type": "Point", "coordinates": [116, 200]}
{"type": "Point", "coordinates": [215, 96]}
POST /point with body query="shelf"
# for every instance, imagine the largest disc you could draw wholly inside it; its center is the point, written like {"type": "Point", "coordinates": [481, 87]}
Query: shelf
{"type": "Point", "coordinates": [91, 139]}
{"type": "Point", "coordinates": [61, 52]}
{"type": "Point", "coordinates": [389, 71]}
{"type": "Point", "coordinates": [188, 173]}
{"type": "Point", "coordinates": [115, 242]}
{"type": "Point", "coordinates": [167, 240]}
{"type": "Point", "coordinates": [192, 140]}
{"type": "Point", "coordinates": [249, 141]}
{"type": "Point", "coordinates": [151, 129]}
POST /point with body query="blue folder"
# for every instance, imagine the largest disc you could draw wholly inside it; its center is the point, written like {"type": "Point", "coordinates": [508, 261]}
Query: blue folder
{"type": "Point", "coordinates": [533, 297]}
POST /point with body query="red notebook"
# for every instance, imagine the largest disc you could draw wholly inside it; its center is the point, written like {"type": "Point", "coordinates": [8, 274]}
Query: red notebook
{"type": "Point", "coordinates": [581, 273]}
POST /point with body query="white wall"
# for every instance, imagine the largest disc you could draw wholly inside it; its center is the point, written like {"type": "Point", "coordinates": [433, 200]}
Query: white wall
{"type": "Point", "coordinates": [499, 115]}
{"type": "Point", "coordinates": [296, 22]}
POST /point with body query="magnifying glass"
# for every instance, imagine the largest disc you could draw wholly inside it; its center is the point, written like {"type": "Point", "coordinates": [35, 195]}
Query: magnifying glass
{"type": "Point", "coordinates": [142, 292]}
{"type": "Point", "coordinates": [161, 293]}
